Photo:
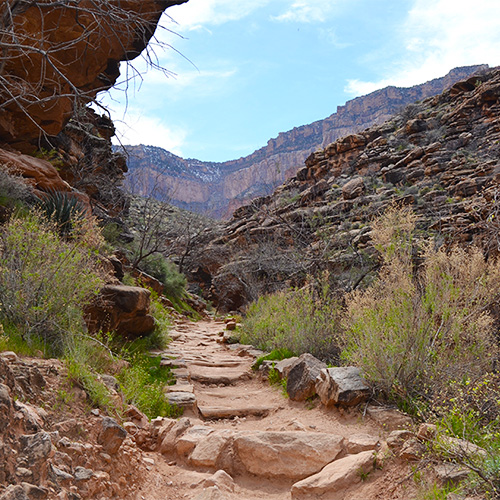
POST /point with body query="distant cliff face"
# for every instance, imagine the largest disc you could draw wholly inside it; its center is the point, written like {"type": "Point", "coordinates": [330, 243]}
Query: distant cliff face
{"type": "Point", "coordinates": [218, 189]}
{"type": "Point", "coordinates": [441, 157]}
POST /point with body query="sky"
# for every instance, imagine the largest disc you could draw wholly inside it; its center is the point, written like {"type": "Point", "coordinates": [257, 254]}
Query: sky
{"type": "Point", "coordinates": [239, 72]}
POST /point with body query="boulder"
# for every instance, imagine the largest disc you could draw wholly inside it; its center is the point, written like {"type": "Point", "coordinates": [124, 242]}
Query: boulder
{"type": "Point", "coordinates": [293, 455]}
{"type": "Point", "coordinates": [173, 430]}
{"type": "Point", "coordinates": [301, 382]}
{"type": "Point", "coordinates": [334, 479]}
{"type": "Point", "coordinates": [121, 308]}
{"type": "Point", "coordinates": [188, 441]}
{"type": "Point", "coordinates": [284, 366]}
{"type": "Point", "coordinates": [341, 386]}
{"type": "Point", "coordinates": [353, 189]}
{"type": "Point", "coordinates": [361, 442]}
{"type": "Point", "coordinates": [111, 435]}
{"type": "Point", "coordinates": [208, 452]}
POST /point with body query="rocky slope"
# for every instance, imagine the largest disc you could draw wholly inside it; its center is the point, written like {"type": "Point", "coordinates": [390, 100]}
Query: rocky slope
{"type": "Point", "coordinates": [440, 156]}
{"type": "Point", "coordinates": [219, 188]}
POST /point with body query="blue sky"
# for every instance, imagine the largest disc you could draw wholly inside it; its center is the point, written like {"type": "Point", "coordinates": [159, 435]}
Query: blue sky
{"type": "Point", "coordinates": [245, 71]}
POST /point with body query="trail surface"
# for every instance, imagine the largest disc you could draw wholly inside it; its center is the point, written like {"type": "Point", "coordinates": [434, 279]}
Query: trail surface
{"type": "Point", "coordinates": [231, 397]}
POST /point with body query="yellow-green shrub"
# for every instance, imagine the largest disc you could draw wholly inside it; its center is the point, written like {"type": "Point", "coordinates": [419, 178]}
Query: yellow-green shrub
{"type": "Point", "coordinates": [45, 280]}
{"type": "Point", "coordinates": [416, 329]}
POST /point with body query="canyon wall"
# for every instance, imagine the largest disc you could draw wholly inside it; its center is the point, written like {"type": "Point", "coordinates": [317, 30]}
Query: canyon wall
{"type": "Point", "coordinates": [217, 189]}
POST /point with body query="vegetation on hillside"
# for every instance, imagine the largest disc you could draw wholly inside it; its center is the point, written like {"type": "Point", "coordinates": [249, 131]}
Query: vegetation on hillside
{"type": "Point", "coordinates": [51, 268]}
{"type": "Point", "coordinates": [424, 333]}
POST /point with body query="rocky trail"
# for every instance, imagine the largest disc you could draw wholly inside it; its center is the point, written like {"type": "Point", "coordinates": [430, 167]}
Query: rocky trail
{"type": "Point", "coordinates": [239, 438]}
{"type": "Point", "coordinates": [243, 438]}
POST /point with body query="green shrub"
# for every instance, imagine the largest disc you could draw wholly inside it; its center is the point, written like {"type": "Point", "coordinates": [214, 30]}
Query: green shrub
{"type": "Point", "coordinates": [143, 385]}
{"type": "Point", "coordinates": [165, 271]}
{"type": "Point", "coordinates": [303, 320]}
{"type": "Point", "coordinates": [45, 281]}
{"type": "Point", "coordinates": [416, 330]}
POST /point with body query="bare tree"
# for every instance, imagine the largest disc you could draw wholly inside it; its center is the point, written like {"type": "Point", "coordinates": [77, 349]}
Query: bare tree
{"type": "Point", "coordinates": [56, 54]}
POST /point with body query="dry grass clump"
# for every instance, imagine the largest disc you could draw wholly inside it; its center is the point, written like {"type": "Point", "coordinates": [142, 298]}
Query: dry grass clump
{"type": "Point", "coordinates": [417, 329]}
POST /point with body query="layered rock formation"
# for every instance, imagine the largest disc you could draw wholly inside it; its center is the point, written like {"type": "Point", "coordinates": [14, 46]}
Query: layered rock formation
{"type": "Point", "coordinates": [56, 54]}
{"type": "Point", "coordinates": [55, 58]}
{"type": "Point", "coordinates": [440, 156]}
{"type": "Point", "coordinates": [219, 188]}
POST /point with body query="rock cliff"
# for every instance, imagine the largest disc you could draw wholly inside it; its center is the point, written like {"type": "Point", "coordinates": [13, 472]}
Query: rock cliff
{"type": "Point", "coordinates": [57, 54]}
{"type": "Point", "coordinates": [441, 156]}
{"type": "Point", "coordinates": [219, 188]}
{"type": "Point", "coordinates": [55, 58]}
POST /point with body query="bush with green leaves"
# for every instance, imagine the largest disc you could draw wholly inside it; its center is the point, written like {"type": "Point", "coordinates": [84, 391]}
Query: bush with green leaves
{"type": "Point", "coordinates": [417, 329]}
{"type": "Point", "coordinates": [45, 281]}
{"type": "Point", "coordinates": [143, 385]}
{"type": "Point", "coordinates": [299, 320]}
{"type": "Point", "coordinates": [165, 271]}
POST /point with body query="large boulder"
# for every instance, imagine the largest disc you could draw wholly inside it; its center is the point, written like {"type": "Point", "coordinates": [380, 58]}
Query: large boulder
{"type": "Point", "coordinates": [293, 455]}
{"type": "Point", "coordinates": [341, 386]}
{"type": "Point", "coordinates": [301, 382]}
{"type": "Point", "coordinates": [121, 308]}
{"type": "Point", "coordinates": [333, 481]}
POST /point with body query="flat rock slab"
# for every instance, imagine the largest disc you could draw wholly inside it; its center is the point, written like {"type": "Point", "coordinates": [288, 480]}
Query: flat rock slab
{"type": "Point", "coordinates": [173, 363]}
{"type": "Point", "coordinates": [182, 399]}
{"type": "Point", "coordinates": [223, 363]}
{"type": "Point", "coordinates": [293, 455]}
{"type": "Point", "coordinates": [333, 480]}
{"type": "Point", "coordinates": [224, 376]}
{"type": "Point", "coordinates": [218, 412]}
{"type": "Point", "coordinates": [180, 388]}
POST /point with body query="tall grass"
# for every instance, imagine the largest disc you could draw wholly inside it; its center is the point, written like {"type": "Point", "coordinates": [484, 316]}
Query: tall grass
{"type": "Point", "coordinates": [299, 320]}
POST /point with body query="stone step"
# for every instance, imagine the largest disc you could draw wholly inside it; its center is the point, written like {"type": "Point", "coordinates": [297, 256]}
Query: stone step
{"type": "Point", "coordinates": [223, 363]}
{"type": "Point", "coordinates": [186, 400]}
{"type": "Point", "coordinates": [218, 376]}
{"type": "Point", "coordinates": [219, 412]}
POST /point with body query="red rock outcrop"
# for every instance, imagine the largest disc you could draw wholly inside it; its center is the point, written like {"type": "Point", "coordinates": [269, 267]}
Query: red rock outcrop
{"type": "Point", "coordinates": [55, 54]}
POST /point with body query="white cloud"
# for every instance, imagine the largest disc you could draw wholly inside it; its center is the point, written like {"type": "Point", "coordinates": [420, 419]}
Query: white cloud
{"type": "Point", "coordinates": [308, 11]}
{"type": "Point", "coordinates": [149, 130]}
{"type": "Point", "coordinates": [439, 35]}
{"type": "Point", "coordinates": [195, 14]}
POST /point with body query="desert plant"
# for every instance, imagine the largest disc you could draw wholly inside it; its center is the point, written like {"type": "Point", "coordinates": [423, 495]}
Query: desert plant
{"type": "Point", "coordinates": [301, 320]}
{"type": "Point", "coordinates": [44, 280]}
{"type": "Point", "coordinates": [62, 209]}
{"type": "Point", "coordinates": [165, 271]}
{"type": "Point", "coordinates": [417, 329]}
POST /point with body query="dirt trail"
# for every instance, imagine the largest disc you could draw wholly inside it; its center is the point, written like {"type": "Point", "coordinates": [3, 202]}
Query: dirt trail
{"type": "Point", "coordinates": [230, 396]}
